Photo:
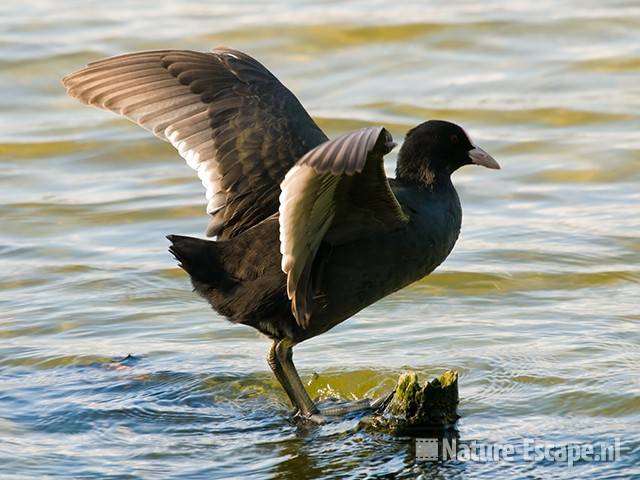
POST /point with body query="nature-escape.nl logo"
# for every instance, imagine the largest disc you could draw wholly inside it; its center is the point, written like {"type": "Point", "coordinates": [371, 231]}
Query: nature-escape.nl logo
{"type": "Point", "coordinates": [528, 450]}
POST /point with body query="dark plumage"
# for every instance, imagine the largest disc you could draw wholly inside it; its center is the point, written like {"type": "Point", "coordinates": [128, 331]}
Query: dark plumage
{"type": "Point", "coordinates": [309, 231]}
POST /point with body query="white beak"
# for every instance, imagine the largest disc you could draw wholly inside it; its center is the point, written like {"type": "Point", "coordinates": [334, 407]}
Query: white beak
{"type": "Point", "coordinates": [480, 157]}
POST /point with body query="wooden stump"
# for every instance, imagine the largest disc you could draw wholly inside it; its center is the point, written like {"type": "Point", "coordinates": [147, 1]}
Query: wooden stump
{"type": "Point", "coordinates": [416, 410]}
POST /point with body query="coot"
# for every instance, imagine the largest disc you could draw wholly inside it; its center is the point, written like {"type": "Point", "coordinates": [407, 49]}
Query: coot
{"type": "Point", "coordinates": [308, 230]}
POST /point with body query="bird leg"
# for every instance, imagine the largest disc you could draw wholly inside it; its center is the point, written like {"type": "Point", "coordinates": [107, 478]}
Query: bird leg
{"type": "Point", "coordinates": [276, 368]}
{"type": "Point", "coordinates": [280, 360]}
{"type": "Point", "coordinates": [298, 395]}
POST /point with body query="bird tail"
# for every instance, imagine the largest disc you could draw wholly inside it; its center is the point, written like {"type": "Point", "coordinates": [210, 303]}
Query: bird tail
{"type": "Point", "coordinates": [202, 260]}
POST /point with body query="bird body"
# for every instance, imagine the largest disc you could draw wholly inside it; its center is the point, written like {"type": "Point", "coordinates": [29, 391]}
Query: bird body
{"type": "Point", "coordinates": [309, 231]}
{"type": "Point", "coordinates": [349, 277]}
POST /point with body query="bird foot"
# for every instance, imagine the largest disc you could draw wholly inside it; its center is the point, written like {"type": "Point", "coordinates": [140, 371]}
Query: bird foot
{"type": "Point", "coordinates": [338, 408]}
{"type": "Point", "coordinates": [332, 408]}
{"type": "Point", "coordinates": [316, 418]}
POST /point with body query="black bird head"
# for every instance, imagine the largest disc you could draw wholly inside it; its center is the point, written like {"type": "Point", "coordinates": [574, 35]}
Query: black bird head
{"type": "Point", "coordinates": [433, 150]}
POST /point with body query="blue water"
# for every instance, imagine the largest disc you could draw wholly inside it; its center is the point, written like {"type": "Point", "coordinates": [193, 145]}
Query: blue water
{"type": "Point", "coordinates": [537, 307]}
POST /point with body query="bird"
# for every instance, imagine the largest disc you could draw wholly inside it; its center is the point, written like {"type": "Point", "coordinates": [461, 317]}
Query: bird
{"type": "Point", "coordinates": [307, 230]}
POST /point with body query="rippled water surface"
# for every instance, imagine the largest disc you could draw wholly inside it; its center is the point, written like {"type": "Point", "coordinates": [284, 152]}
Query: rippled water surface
{"type": "Point", "coordinates": [537, 307]}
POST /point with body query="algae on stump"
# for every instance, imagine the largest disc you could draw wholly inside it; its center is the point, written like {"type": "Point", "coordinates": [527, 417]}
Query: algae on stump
{"type": "Point", "coordinates": [416, 409]}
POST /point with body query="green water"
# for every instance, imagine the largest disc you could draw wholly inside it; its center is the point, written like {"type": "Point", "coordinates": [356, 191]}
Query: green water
{"type": "Point", "coordinates": [537, 307]}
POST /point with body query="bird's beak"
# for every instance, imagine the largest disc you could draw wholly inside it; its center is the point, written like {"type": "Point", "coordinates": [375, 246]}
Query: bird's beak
{"type": "Point", "coordinates": [480, 157]}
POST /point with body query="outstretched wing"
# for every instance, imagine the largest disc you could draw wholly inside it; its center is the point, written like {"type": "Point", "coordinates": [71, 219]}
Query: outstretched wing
{"type": "Point", "coordinates": [338, 192]}
{"type": "Point", "coordinates": [225, 113]}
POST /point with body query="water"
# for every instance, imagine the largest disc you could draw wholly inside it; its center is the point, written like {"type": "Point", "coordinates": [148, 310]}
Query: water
{"type": "Point", "coordinates": [537, 307]}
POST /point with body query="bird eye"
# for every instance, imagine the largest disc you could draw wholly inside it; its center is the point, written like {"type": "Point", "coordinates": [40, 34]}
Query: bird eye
{"type": "Point", "coordinates": [454, 139]}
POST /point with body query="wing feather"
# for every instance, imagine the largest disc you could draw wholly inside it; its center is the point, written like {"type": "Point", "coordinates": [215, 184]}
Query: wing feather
{"type": "Point", "coordinates": [225, 113]}
{"type": "Point", "coordinates": [313, 211]}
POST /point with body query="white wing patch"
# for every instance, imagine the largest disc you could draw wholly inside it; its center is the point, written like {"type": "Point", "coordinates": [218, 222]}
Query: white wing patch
{"type": "Point", "coordinates": [302, 225]}
{"type": "Point", "coordinates": [206, 170]}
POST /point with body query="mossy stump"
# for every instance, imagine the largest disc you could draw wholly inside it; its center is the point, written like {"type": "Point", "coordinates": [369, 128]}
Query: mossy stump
{"type": "Point", "coordinates": [416, 410]}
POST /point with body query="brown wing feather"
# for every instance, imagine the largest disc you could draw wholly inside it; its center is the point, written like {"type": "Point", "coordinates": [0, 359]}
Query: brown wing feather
{"type": "Point", "coordinates": [227, 115]}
